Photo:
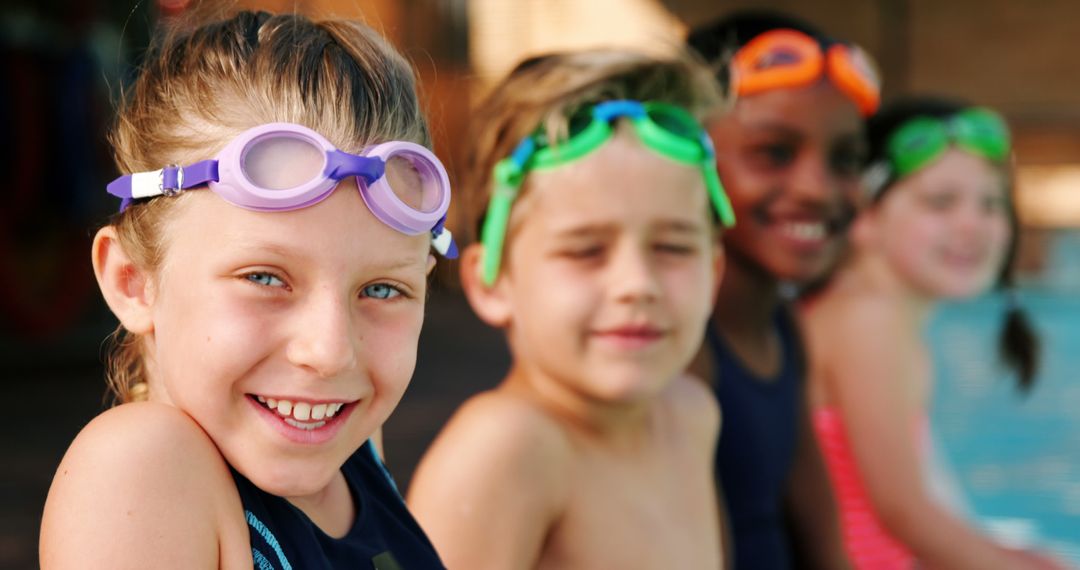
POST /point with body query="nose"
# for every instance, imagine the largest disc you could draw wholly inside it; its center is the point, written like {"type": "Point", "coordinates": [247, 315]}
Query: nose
{"type": "Point", "coordinates": [633, 274]}
{"type": "Point", "coordinates": [323, 339]}
{"type": "Point", "coordinates": [812, 180]}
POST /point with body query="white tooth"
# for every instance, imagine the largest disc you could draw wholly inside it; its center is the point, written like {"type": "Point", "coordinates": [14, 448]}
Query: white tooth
{"type": "Point", "coordinates": [261, 399]}
{"type": "Point", "coordinates": [304, 426]}
{"type": "Point", "coordinates": [284, 407]}
{"type": "Point", "coordinates": [318, 411]}
{"type": "Point", "coordinates": [337, 407]}
{"type": "Point", "coordinates": [271, 403]}
{"type": "Point", "coordinates": [331, 409]}
{"type": "Point", "coordinates": [302, 411]}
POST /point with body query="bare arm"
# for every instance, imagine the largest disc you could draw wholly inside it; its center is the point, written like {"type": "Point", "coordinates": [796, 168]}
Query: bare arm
{"type": "Point", "coordinates": [141, 487]}
{"type": "Point", "coordinates": [869, 378]}
{"type": "Point", "coordinates": [491, 486]}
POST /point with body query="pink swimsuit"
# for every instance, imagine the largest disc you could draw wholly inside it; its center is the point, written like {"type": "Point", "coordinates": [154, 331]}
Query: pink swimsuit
{"type": "Point", "coordinates": [868, 544]}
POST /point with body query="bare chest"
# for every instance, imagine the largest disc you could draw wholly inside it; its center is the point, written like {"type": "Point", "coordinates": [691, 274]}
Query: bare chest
{"type": "Point", "coordinates": [657, 511]}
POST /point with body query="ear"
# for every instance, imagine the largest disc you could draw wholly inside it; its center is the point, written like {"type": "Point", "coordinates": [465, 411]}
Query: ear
{"type": "Point", "coordinates": [127, 288]}
{"type": "Point", "coordinates": [492, 303]}
{"type": "Point", "coordinates": [430, 264]}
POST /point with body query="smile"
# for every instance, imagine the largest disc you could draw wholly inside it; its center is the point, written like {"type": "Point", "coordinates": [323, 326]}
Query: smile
{"type": "Point", "coordinates": [302, 415]}
{"type": "Point", "coordinates": [805, 231]}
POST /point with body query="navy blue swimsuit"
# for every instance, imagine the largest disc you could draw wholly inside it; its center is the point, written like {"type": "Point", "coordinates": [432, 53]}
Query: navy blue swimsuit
{"type": "Point", "coordinates": [384, 535]}
{"type": "Point", "coordinates": [757, 444]}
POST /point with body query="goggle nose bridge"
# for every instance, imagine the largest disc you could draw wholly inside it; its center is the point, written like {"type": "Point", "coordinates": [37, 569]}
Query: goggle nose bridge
{"type": "Point", "coordinates": [340, 165]}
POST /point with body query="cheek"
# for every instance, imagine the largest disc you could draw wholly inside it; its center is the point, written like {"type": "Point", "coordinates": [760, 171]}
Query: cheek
{"type": "Point", "coordinates": [390, 345]}
{"type": "Point", "coordinates": [198, 322]}
{"type": "Point", "coordinates": [743, 186]}
{"type": "Point", "coordinates": [690, 285]}
{"type": "Point", "coordinates": [1001, 235]}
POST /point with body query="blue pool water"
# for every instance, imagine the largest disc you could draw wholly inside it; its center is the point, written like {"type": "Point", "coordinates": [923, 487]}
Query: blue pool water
{"type": "Point", "coordinates": [1016, 459]}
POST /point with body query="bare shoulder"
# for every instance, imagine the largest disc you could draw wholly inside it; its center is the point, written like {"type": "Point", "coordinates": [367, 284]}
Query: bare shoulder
{"type": "Point", "coordinates": [865, 320]}
{"type": "Point", "coordinates": [499, 429]}
{"type": "Point", "coordinates": [692, 402]}
{"type": "Point", "coordinates": [494, 482]}
{"type": "Point", "coordinates": [870, 348]}
{"type": "Point", "coordinates": [140, 484]}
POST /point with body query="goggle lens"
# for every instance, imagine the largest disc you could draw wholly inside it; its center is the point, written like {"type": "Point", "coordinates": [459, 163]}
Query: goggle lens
{"type": "Point", "coordinates": [674, 121]}
{"type": "Point", "coordinates": [779, 57]}
{"type": "Point", "coordinates": [413, 181]}
{"type": "Point", "coordinates": [982, 131]}
{"type": "Point", "coordinates": [282, 162]}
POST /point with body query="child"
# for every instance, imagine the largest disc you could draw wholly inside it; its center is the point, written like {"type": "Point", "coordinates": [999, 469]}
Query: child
{"type": "Point", "coordinates": [269, 322]}
{"type": "Point", "coordinates": [939, 226]}
{"type": "Point", "coordinates": [789, 154]}
{"type": "Point", "coordinates": [599, 259]}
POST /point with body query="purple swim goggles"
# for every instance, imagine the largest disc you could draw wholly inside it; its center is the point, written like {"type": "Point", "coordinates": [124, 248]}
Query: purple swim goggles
{"type": "Point", "coordinates": [283, 166]}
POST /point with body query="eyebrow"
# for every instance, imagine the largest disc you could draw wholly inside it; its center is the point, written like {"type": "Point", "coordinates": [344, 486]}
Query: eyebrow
{"type": "Point", "coordinates": [592, 230]}
{"type": "Point", "coordinates": [285, 251]}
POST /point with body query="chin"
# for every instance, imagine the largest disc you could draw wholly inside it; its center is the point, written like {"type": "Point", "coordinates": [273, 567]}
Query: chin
{"type": "Point", "coordinates": [961, 291]}
{"type": "Point", "coordinates": [628, 388]}
{"type": "Point", "coordinates": [298, 480]}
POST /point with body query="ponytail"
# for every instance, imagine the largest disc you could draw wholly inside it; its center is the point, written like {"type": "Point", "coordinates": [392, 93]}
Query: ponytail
{"type": "Point", "coordinates": [1018, 344]}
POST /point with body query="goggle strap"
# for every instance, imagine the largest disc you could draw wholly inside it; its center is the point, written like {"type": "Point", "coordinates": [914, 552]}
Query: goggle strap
{"type": "Point", "coordinates": [876, 177]}
{"type": "Point", "coordinates": [444, 243]}
{"type": "Point", "coordinates": [493, 233]}
{"type": "Point", "coordinates": [716, 193]}
{"type": "Point", "coordinates": [166, 181]}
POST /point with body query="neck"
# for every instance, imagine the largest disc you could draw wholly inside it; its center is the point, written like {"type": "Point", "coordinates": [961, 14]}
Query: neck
{"type": "Point", "coordinates": [615, 422]}
{"type": "Point", "coordinates": [748, 298]}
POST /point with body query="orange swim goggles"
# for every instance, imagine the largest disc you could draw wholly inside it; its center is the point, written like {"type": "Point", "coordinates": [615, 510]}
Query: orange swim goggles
{"type": "Point", "coordinates": [788, 58]}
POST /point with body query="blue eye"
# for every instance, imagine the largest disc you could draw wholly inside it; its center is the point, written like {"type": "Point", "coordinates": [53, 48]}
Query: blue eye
{"type": "Point", "coordinates": [264, 279]}
{"type": "Point", "coordinates": [381, 291]}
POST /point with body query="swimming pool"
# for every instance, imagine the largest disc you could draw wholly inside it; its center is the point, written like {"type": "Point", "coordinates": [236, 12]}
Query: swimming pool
{"type": "Point", "coordinates": [1017, 459]}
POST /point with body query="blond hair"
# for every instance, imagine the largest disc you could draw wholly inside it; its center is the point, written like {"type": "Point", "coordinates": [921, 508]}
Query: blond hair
{"type": "Point", "coordinates": [204, 83]}
{"type": "Point", "coordinates": [546, 90]}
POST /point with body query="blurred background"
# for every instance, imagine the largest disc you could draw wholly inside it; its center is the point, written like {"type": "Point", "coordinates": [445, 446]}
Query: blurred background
{"type": "Point", "coordinates": [1015, 461]}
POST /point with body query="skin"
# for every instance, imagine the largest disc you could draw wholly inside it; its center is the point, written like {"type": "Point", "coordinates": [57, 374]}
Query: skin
{"type": "Point", "coordinates": [594, 452]}
{"type": "Point", "coordinates": [789, 161]}
{"type": "Point", "coordinates": [941, 233]}
{"type": "Point", "coordinates": [246, 304]}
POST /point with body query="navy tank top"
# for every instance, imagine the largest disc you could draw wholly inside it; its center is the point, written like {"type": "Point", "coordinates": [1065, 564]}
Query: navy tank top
{"type": "Point", "coordinates": [757, 446]}
{"type": "Point", "coordinates": [384, 535]}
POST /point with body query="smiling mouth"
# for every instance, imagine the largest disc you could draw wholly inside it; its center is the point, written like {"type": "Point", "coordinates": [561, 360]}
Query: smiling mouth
{"type": "Point", "coordinates": [805, 231]}
{"type": "Point", "coordinates": [301, 415]}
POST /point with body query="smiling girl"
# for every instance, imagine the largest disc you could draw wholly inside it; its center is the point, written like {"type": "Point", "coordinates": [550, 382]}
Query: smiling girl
{"type": "Point", "coordinates": [268, 268]}
{"type": "Point", "coordinates": [940, 225]}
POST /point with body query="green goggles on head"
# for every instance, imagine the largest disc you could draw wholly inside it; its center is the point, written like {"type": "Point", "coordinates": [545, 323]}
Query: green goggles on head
{"type": "Point", "coordinates": [666, 129]}
{"type": "Point", "coordinates": [922, 140]}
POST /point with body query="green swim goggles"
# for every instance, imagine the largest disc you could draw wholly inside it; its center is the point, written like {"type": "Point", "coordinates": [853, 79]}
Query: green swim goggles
{"type": "Point", "coordinates": [922, 140]}
{"type": "Point", "coordinates": [666, 129]}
